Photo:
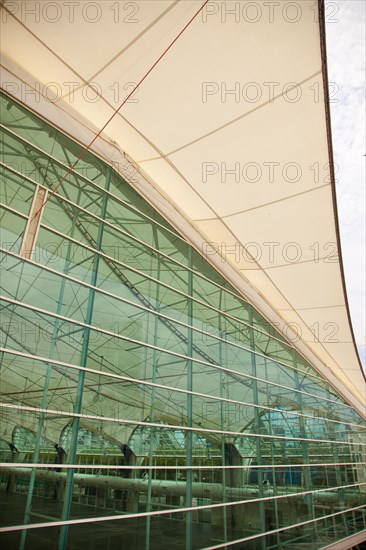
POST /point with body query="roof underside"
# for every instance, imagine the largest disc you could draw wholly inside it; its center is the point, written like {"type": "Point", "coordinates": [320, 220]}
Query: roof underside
{"type": "Point", "coordinates": [248, 170]}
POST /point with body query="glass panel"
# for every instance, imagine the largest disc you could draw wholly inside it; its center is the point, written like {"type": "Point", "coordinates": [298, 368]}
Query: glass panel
{"type": "Point", "coordinates": [140, 392]}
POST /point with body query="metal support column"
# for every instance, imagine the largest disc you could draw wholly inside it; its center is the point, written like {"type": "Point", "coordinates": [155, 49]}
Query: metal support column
{"type": "Point", "coordinates": [223, 424]}
{"type": "Point", "coordinates": [189, 408]}
{"type": "Point", "coordinates": [306, 455]}
{"type": "Point", "coordinates": [153, 397]}
{"type": "Point", "coordinates": [80, 387]}
{"type": "Point", "coordinates": [37, 448]}
{"type": "Point", "coordinates": [257, 424]}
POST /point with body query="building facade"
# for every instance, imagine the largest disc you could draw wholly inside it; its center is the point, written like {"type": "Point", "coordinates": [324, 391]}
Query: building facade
{"type": "Point", "coordinates": [145, 401]}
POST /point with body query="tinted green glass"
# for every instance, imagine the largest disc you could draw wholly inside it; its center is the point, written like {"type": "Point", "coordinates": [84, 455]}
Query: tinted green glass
{"type": "Point", "coordinates": [163, 387]}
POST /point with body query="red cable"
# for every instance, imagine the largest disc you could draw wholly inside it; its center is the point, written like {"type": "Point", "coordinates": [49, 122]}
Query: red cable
{"type": "Point", "coordinates": [117, 110]}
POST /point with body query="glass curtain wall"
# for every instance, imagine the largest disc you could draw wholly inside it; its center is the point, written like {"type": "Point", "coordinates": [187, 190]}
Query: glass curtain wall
{"type": "Point", "coordinates": [144, 401]}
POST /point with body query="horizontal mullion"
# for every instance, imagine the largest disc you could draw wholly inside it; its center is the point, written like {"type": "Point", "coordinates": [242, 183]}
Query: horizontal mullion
{"type": "Point", "coordinates": [91, 182]}
{"type": "Point", "coordinates": [170, 388]}
{"type": "Point", "coordinates": [157, 348]}
{"type": "Point", "coordinates": [119, 230]}
{"type": "Point", "coordinates": [126, 204]}
{"type": "Point", "coordinates": [176, 321]}
{"type": "Point", "coordinates": [281, 529]}
{"type": "Point", "coordinates": [14, 211]}
{"type": "Point", "coordinates": [162, 283]}
{"type": "Point", "coordinates": [200, 430]}
{"type": "Point", "coordinates": [188, 509]}
{"type": "Point", "coordinates": [163, 255]}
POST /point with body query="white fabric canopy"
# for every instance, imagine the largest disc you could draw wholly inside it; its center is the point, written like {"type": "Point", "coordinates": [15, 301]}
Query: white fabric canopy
{"type": "Point", "coordinates": [228, 136]}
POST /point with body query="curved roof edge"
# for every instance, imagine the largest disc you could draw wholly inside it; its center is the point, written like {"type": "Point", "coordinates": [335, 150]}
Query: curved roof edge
{"type": "Point", "coordinates": [323, 47]}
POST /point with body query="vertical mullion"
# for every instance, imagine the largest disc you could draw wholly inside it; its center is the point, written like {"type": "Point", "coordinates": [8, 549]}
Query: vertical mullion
{"type": "Point", "coordinates": [253, 359]}
{"type": "Point", "coordinates": [80, 387]}
{"type": "Point", "coordinates": [37, 448]}
{"type": "Point", "coordinates": [306, 456]}
{"type": "Point", "coordinates": [273, 453]}
{"type": "Point", "coordinates": [153, 397]}
{"type": "Point", "coordinates": [223, 426]}
{"type": "Point", "coordinates": [331, 434]}
{"type": "Point", "coordinates": [189, 437]}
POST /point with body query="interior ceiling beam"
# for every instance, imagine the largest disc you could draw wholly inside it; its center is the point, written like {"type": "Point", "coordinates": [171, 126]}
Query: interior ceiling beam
{"type": "Point", "coordinates": [176, 488]}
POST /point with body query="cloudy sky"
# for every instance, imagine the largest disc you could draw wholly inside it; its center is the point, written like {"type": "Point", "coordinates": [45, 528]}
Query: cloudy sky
{"type": "Point", "coordinates": [346, 66]}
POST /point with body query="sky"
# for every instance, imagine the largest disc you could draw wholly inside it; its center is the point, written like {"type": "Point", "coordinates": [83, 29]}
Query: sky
{"type": "Point", "coordinates": [345, 29]}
